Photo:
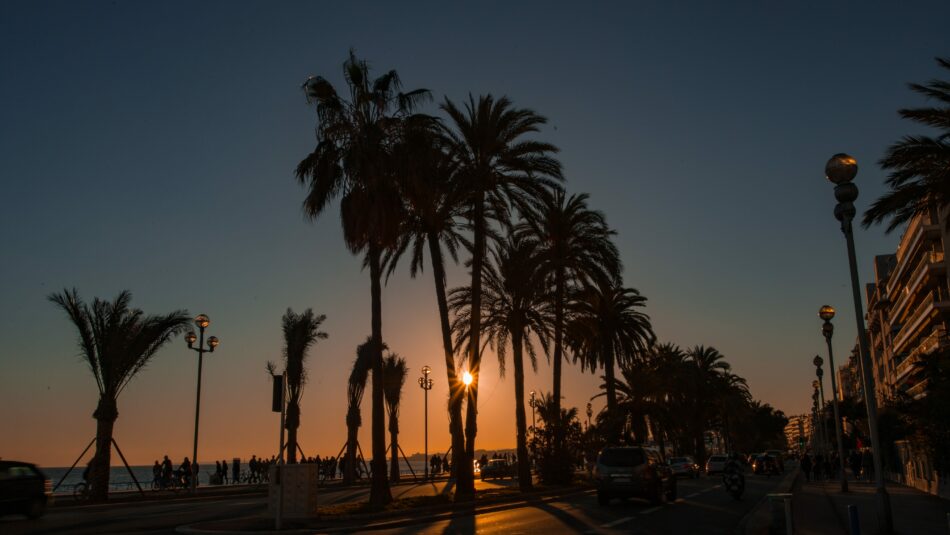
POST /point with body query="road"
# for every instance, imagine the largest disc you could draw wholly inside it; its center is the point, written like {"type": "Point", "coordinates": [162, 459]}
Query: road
{"type": "Point", "coordinates": [703, 507]}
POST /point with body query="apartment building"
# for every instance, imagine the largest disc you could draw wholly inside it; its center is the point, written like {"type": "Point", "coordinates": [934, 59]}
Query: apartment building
{"type": "Point", "coordinates": [908, 307]}
{"type": "Point", "coordinates": [798, 431]}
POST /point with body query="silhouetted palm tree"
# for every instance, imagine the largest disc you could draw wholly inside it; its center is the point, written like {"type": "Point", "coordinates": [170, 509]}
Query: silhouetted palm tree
{"type": "Point", "coordinates": [575, 248]}
{"type": "Point", "coordinates": [300, 332]}
{"type": "Point", "coordinates": [607, 328]}
{"type": "Point", "coordinates": [354, 397]}
{"type": "Point", "coordinates": [497, 167]}
{"type": "Point", "coordinates": [353, 160]}
{"type": "Point", "coordinates": [394, 377]}
{"type": "Point", "coordinates": [434, 204]}
{"type": "Point", "coordinates": [117, 342]}
{"type": "Point", "coordinates": [515, 305]}
{"type": "Point", "coordinates": [705, 366]}
{"type": "Point", "coordinates": [919, 165]}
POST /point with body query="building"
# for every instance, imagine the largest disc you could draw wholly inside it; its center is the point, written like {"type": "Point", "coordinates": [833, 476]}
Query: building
{"type": "Point", "coordinates": [798, 431]}
{"type": "Point", "coordinates": [908, 307]}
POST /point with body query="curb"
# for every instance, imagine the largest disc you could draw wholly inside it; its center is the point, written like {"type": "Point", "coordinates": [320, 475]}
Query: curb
{"type": "Point", "coordinates": [395, 519]}
{"type": "Point", "coordinates": [759, 519]}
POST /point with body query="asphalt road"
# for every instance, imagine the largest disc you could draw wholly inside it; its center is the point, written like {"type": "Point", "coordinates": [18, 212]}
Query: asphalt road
{"type": "Point", "coordinates": [703, 507]}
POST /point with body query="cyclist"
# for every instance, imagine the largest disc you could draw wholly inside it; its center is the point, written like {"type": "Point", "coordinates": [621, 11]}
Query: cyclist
{"type": "Point", "coordinates": [185, 470]}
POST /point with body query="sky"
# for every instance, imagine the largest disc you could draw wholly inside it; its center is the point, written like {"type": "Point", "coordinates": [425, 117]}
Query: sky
{"type": "Point", "coordinates": [150, 146]}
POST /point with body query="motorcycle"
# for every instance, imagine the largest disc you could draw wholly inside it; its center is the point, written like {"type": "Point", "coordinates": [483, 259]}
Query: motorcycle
{"type": "Point", "coordinates": [733, 481]}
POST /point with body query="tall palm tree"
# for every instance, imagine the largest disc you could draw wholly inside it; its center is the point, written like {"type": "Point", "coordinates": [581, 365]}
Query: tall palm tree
{"type": "Point", "coordinates": [607, 328]}
{"type": "Point", "coordinates": [498, 167]}
{"type": "Point", "coordinates": [706, 367]}
{"type": "Point", "coordinates": [353, 160]}
{"type": "Point", "coordinates": [919, 165]}
{"type": "Point", "coordinates": [354, 397]}
{"type": "Point", "coordinates": [575, 248]}
{"type": "Point", "coordinates": [434, 204]}
{"type": "Point", "coordinates": [394, 377]}
{"type": "Point", "coordinates": [514, 306]}
{"type": "Point", "coordinates": [116, 342]}
{"type": "Point", "coordinates": [300, 332]}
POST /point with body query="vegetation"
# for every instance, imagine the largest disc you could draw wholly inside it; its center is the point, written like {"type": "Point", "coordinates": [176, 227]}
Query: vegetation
{"type": "Point", "coordinates": [354, 398]}
{"type": "Point", "coordinates": [394, 378]}
{"type": "Point", "coordinates": [117, 342]}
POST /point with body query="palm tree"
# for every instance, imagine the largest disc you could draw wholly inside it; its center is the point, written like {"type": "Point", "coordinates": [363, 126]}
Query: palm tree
{"type": "Point", "coordinates": [919, 165]}
{"type": "Point", "coordinates": [354, 397]}
{"type": "Point", "coordinates": [434, 203]}
{"type": "Point", "coordinates": [607, 328]}
{"type": "Point", "coordinates": [575, 248]}
{"type": "Point", "coordinates": [117, 342]}
{"type": "Point", "coordinates": [514, 306]}
{"type": "Point", "coordinates": [498, 167]}
{"type": "Point", "coordinates": [706, 367]}
{"type": "Point", "coordinates": [353, 160]}
{"type": "Point", "coordinates": [394, 377]}
{"type": "Point", "coordinates": [300, 332]}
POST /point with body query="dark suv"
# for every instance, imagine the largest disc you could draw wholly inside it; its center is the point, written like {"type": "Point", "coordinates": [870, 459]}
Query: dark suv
{"type": "Point", "coordinates": [23, 489]}
{"type": "Point", "coordinates": [633, 472]}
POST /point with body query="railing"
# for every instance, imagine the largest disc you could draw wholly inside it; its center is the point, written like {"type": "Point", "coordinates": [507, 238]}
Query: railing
{"type": "Point", "coordinates": [909, 290]}
{"type": "Point", "coordinates": [926, 306]}
{"type": "Point", "coordinates": [926, 346]}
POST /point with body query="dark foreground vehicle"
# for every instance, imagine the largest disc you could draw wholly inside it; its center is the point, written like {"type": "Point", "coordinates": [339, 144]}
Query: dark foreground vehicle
{"type": "Point", "coordinates": [23, 489]}
{"type": "Point", "coordinates": [633, 472]}
{"type": "Point", "coordinates": [498, 468]}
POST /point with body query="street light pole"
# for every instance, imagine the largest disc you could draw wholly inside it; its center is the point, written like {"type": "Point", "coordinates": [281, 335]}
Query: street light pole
{"type": "Point", "coordinates": [532, 403]}
{"type": "Point", "coordinates": [819, 372]}
{"type": "Point", "coordinates": [426, 384]}
{"type": "Point", "coordinates": [841, 170]}
{"type": "Point", "coordinates": [819, 428]}
{"type": "Point", "coordinates": [826, 313]}
{"type": "Point", "coordinates": [590, 412]}
{"type": "Point", "coordinates": [202, 322]}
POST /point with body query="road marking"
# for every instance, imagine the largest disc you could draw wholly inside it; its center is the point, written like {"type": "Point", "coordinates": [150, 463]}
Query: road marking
{"type": "Point", "coordinates": [650, 510]}
{"type": "Point", "coordinates": [616, 522]}
{"type": "Point", "coordinates": [693, 495]}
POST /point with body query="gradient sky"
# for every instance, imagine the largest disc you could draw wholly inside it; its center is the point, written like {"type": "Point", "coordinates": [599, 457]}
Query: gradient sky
{"type": "Point", "coordinates": [151, 147]}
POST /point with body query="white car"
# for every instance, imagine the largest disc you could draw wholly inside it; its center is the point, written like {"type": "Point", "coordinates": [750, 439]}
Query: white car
{"type": "Point", "coordinates": [716, 464]}
{"type": "Point", "coordinates": [684, 466]}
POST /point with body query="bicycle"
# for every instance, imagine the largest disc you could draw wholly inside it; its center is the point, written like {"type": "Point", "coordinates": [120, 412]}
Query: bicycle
{"type": "Point", "coordinates": [81, 492]}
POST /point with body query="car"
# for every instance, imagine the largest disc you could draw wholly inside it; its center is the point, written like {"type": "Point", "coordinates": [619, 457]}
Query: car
{"type": "Point", "coordinates": [498, 468]}
{"type": "Point", "coordinates": [765, 464]}
{"type": "Point", "coordinates": [24, 489]}
{"type": "Point", "coordinates": [684, 466]}
{"type": "Point", "coordinates": [633, 472]}
{"type": "Point", "coordinates": [716, 463]}
{"type": "Point", "coordinates": [779, 458]}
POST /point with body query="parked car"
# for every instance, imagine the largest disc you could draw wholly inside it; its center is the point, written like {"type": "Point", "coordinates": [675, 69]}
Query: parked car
{"type": "Point", "coordinates": [498, 468]}
{"type": "Point", "coordinates": [633, 472]}
{"type": "Point", "coordinates": [765, 464]}
{"type": "Point", "coordinates": [716, 464]}
{"type": "Point", "coordinates": [684, 466]}
{"type": "Point", "coordinates": [23, 489]}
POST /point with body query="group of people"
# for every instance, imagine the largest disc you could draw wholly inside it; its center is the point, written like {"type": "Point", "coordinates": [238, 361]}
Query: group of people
{"type": "Point", "coordinates": [823, 467]}
{"type": "Point", "coordinates": [165, 475]}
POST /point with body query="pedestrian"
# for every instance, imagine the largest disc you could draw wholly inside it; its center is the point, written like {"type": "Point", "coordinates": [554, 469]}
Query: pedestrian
{"type": "Point", "coordinates": [867, 465]}
{"type": "Point", "coordinates": [235, 471]}
{"type": "Point", "coordinates": [156, 474]}
{"type": "Point", "coordinates": [817, 466]}
{"type": "Point", "coordinates": [806, 466]}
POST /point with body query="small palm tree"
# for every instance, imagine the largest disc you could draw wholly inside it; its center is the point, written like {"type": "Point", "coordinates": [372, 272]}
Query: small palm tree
{"type": "Point", "coordinates": [300, 332]}
{"type": "Point", "coordinates": [514, 306]}
{"type": "Point", "coordinates": [394, 377]}
{"type": "Point", "coordinates": [117, 342]}
{"type": "Point", "coordinates": [497, 167]}
{"type": "Point", "coordinates": [919, 165]}
{"type": "Point", "coordinates": [354, 398]}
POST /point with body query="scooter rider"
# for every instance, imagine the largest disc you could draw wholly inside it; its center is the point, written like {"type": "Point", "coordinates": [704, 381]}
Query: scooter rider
{"type": "Point", "coordinates": [732, 479]}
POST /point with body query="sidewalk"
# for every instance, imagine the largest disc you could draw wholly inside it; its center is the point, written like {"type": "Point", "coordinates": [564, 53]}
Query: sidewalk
{"type": "Point", "coordinates": [820, 509]}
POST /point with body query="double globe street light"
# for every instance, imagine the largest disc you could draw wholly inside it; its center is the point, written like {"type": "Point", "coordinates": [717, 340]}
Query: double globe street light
{"type": "Point", "coordinates": [202, 322]}
{"type": "Point", "coordinates": [827, 313]}
{"type": "Point", "coordinates": [425, 383]}
{"type": "Point", "coordinates": [841, 170]}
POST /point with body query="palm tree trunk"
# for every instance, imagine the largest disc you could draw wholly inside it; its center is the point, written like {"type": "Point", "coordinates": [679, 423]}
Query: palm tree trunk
{"type": "Point", "coordinates": [352, 436]}
{"type": "Point", "coordinates": [524, 465]}
{"type": "Point", "coordinates": [558, 342]}
{"type": "Point", "coordinates": [456, 389]}
{"type": "Point", "coordinates": [379, 494]}
{"type": "Point", "coordinates": [293, 422]}
{"type": "Point", "coordinates": [394, 446]}
{"type": "Point", "coordinates": [610, 378]}
{"type": "Point", "coordinates": [466, 477]}
{"type": "Point", "coordinates": [105, 415]}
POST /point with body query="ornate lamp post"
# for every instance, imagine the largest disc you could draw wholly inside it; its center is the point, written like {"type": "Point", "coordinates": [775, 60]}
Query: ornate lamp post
{"type": "Point", "coordinates": [819, 372]}
{"type": "Point", "coordinates": [841, 170]}
{"type": "Point", "coordinates": [532, 402]}
{"type": "Point", "coordinates": [819, 427]}
{"type": "Point", "coordinates": [426, 384]}
{"type": "Point", "coordinates": [815, 428]}
{"type": "Point", "coordinates": [590, 412]}
{"type": "Point", "coordinates": [826, 313]}
{"type": "Point", "coordinates": [202, 322]}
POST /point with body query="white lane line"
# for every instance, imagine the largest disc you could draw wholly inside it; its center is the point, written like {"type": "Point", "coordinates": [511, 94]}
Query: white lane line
{"type": "Point", "coordinates": [693, 495]}
{"type": "Point", "coordinates": [650, 510]}
{"type": "Point", "coordinates": [617, 522]}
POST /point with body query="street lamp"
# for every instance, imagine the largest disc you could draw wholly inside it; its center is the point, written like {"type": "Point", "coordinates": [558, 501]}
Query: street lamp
{"type": "Point", "coordinates": [841, 170]}
{"type": "Point", "coordinates": [426, 384]}
{"type": "Point", "coordinates": [818, 361]}
{"type": "Point", "coordinates": [532, 402]}
{"type": "Point", "coordinates": [826, 313]}
{"type": "Point", "coordinates": [202, 322]}
{"type": "Point", "coordinates": [819, 428]}
{"type": "Point", "coordinates": [590, 412]}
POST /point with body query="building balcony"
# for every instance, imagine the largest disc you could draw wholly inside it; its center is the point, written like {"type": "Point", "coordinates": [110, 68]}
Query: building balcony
{"type": "Point", "coordinates": [927, 346]}
{"type": "Point", "coordinates": [934, 301]}
{"type": "Point", "coordinates": [917, 390]}
{"type": "Point", "coordinates": [919, 227]}
{"type": "Point", "coordinates": [930, 264]}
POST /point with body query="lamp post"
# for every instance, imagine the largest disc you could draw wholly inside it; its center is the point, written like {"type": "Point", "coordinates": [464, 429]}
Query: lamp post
{"type": "Point", "coordinates": [819, 429]}
{"type": "Point", "coordinates": [841, 170]}
{"type": "Point", "coordinates": [819, 372]}
{"type": "Point", "coordinates": [426, 384]}
{"type": "Point", "coordinates": [826, 313]}
{"type": "Point", "coordinates": [590, 412]}
{"type": "Point", "coordinates": [202, 322]}
{"type": "Point", "coordinates": [531, 401]}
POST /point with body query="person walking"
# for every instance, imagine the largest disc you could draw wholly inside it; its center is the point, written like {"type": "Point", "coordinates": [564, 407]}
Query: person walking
{"type": "Point", "coordinates": [806, 466]}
